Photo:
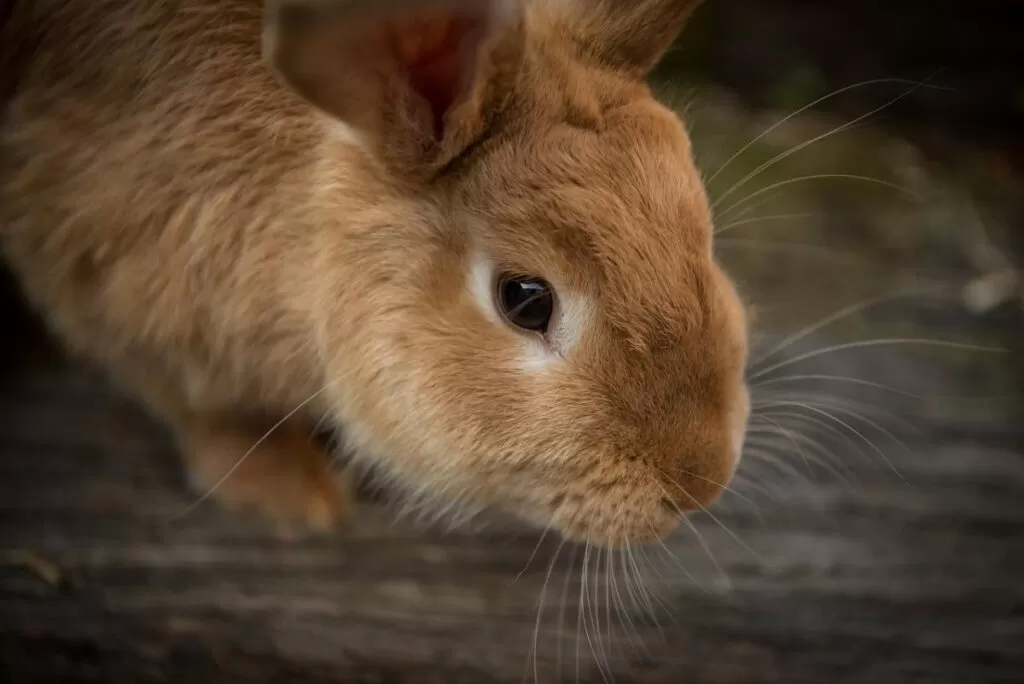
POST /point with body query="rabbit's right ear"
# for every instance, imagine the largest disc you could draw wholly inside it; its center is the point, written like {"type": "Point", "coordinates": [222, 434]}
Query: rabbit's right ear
{"type": "Point", "coordinates": [629, 36]}
{"type": "Point", "coordinates": [409, 76]}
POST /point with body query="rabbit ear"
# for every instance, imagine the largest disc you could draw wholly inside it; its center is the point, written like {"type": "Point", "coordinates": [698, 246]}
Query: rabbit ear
{"type": "Point", "coordinates": [625, 35]}
{"type": "Point", "coordinates": [406, 75]}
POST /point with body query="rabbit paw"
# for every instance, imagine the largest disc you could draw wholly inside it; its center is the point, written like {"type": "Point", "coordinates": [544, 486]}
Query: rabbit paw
{"type": "Point", "coordinates": [278, 472]}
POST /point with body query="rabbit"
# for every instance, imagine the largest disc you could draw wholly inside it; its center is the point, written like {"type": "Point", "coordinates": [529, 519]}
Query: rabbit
{"type": "Point", "coordinates": [464, 234]}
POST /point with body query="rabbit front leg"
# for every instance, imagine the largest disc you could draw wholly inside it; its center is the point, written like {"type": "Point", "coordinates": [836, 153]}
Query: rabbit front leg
{"type": "Point", "coordinates": [266, 465]}
{"type": "Point", "coordinates": [245, 460]}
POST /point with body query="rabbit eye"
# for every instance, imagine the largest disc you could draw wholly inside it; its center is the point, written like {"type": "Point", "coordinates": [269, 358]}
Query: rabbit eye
{"type": "Point", "coordinates": [526, 303]}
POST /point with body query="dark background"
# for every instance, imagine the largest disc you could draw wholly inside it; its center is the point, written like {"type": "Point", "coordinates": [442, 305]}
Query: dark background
{"type": "Point", "coordinates": [787, 52]}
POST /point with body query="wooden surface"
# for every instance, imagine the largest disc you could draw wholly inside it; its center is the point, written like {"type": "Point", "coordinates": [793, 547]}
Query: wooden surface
{"type": "Point", "coordinates": [859, 576]}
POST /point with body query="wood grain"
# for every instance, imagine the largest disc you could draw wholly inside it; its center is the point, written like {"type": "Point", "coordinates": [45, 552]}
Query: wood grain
{"type": "Point", "coordinates": [857, 576]}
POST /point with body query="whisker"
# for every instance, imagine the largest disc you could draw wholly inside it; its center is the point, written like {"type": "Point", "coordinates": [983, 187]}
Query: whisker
{"type": "Point", "coordinates": [793, 150]}
{"type": "Point", "coordinates": [737, 223]}
{"type": "Point", "coordinates": [852, 429]}
{"type": "Point", "coordinates": [678, 563]}
{"type": "Point", "coordinates": [620, 605]}
{"type": "Point", "coordinates": [589, 612]}
{"type": "Point", "coordinates": [726, 489]}
{"type": "Point", "coordinates": [846, 404]}
{"type": "Point", "coordinates": [801, 110]}
{"type": "Point", "coordinates": [645, 594]}
{"type": "Point", "coordinates": [693, 528]}
{"type": "Point", "coordinates": [871, 422]}
{"type": "Point", "coordinates": [825, 456]}
{"type": "Point", "coordinates": [790, 437]}
{"type": "Point", "coordinates": [748, 211]}
{"type": "Point", "coordinates": [836, 378]}
{"type": "Point", "coordinates": [895, 341]}
{"type": "Point", "coordinates": [561, 613]}
{"type": "Point", "coordinates": [662, 603]}
{"type": "Point", "coordinates": [844, 312]}
{"type": "Point", "coordinates": [534, 553]}
{"type": "Point", "coordinates": [238, 464]}
{"type": "Point", "coordinates": [823, 451]}
{"type": "Point", "coordinates": [779, 464]}
{"type": "Point", "coordinates": [818, 176]}
{"type": "Point", "coordinates": [540, 610]}
{"type": "Point", "coordinates": [625, 611]}
{"type": "Point", "coordinates": [704, 510]}
{"type": "Point", "coordinates": [626, 558]}
{"type": "Point", "coordinates": [607, 594]}
{"type": "Point", "coordinates": [707, 549]}
{"type": "Point", "coordinates": [652, 597]}
{"type": "Point", "coordinates": [740, 478]}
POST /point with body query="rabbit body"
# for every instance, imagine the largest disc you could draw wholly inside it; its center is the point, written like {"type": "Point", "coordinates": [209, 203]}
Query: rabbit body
{"type": "Point", "coordinates": [255, 229]}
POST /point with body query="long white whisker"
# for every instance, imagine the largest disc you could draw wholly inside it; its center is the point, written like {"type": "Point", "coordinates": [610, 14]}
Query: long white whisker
{"type": "Point", "coordinates": [726, 489]}
{"type": "Point", "coordinates": [540, 609]}
{"type": "Point", "coordinates": [737, 223]}
{"type": "Point", "coordinates": [589, 613]}
{"type": "Point", "coordinates": [817, 176]}
{"type": "Point", "coordinates": [836, 378]}
{"type": "Point", "coordinates": [910, 341]}
{"type": "Point", "coordinates": [693, 528]}
{"type": "Point", "coordinates": [772, 459]}
{"type": "Point", "coordinates": [793, 150]}
{"type": "Point", "coordinates": [706, 512]}
{"type": "Point", "coordinates": [533, 555]}
{"type": "Point", "coordinates": [835, 317]}
{"type": "Point", "coordinates": [620, 605]}
{"type": "Point", "coordinates": [679, 564]}
{"type": "Point", "coordinates": [238, 464]}
{"type": "Point", "coordinates": [645, 594]}
{"type": "Point", "coordinates": [825, 457]}
{"type": "Point", "coordinates": [561, 613]}
{"type": "Point", "coordinates": [789, 436]}
{"type": "Point", "coordinates": [607, 595]}
{"type": "Point", "coordinates": [652, 597]}
{"type": "Point", "coordinates": [844, 437]}
{"type": "Point", "coordinates": [846, 404]}
{"type": "Point", "coordinates": [852, 429]}
{"type": "Point", "coordinates": [800, 111]}
{"type": "Point", "coordinates": [873, 423]}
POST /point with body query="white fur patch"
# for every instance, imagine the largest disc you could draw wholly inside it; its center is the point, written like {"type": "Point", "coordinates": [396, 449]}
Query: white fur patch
{"type": "Point", "coordinates": [347, 134]}
{"type": "Point", "coordinates": [573, 316]}
{"type": "Point", "coordinates": [537, 357]}
{"type": "Point", "coordinates": [481, 277]}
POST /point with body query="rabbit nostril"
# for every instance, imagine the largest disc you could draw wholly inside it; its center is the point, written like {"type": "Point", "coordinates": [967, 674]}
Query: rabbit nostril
{"type": "Point", "coordinates": [670, 506]}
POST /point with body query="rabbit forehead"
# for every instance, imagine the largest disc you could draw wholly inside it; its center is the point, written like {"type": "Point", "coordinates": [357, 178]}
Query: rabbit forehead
{"type": "Point", "coordinates": [617, 210]}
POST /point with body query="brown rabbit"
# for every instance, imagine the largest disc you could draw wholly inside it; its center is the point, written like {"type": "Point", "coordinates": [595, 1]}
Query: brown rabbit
{"type": "Point", "coordinates": [464, 233]}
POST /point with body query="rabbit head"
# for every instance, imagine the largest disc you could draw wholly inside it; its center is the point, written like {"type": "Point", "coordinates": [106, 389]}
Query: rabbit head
{"type": "Point", "coordinates": [531, 315]}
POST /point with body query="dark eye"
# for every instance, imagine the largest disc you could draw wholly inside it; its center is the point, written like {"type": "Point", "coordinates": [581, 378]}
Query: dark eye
{"type": "Point", "coordinates": [526, 303]}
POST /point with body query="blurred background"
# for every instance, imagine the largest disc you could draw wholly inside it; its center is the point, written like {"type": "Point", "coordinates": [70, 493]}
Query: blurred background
{"type": "Point", "coordinates": [865, 161]}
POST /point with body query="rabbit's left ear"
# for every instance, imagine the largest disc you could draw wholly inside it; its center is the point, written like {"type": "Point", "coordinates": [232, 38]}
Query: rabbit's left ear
{"type": "Point", "coordinates": [625, 35]}
{"type": "Point", "coordinates": [396, 71]}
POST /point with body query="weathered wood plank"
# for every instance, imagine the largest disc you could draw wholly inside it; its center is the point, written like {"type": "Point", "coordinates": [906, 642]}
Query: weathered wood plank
{"type": "Point", "coordinates": [876, 578]}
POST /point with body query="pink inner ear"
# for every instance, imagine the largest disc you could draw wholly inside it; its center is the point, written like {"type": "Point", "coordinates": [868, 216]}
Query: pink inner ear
{"type": "Point", "coordinates": [437, 56]}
